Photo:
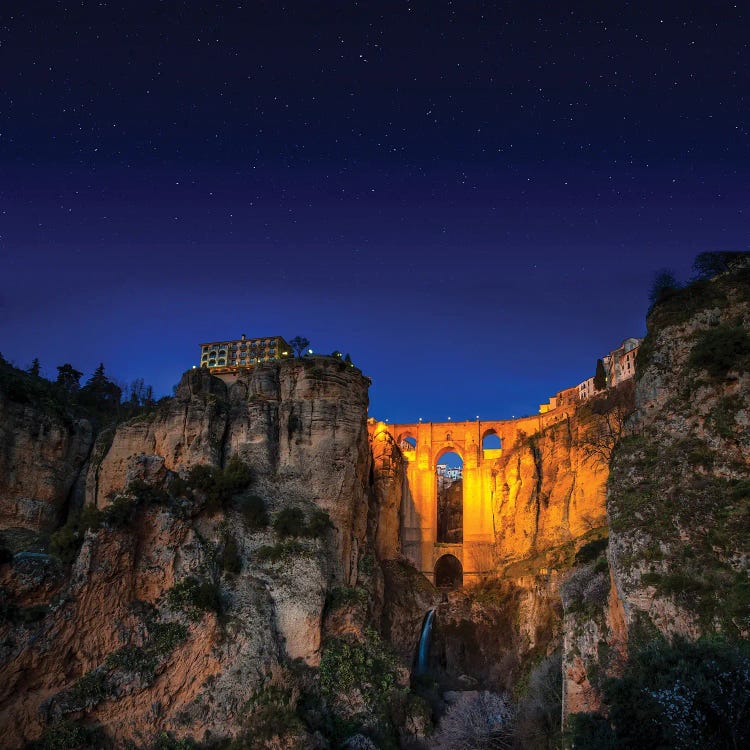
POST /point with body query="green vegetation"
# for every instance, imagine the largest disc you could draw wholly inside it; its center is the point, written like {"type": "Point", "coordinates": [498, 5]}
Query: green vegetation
{"type": "Point", "coordinates": [591, 551]}
{"type": "Point", "coordinates": [253, 511]}
{"type": "Point", "coordinates": [367, 666]}
{"type": "Point", "coordinates": [163, 637]}
{"type": "Point", "coordinates": [664, 285]}
{"type": "Point", "coordinates": [165, 741]}
{"type": "Point", "coordinates": [90, 689]}
{"type": "Point", "coordinates": [194, 597]}
{"type": "Point", "coordinates": [99, 400]}
{"type": "Point", "coordinates": [346, 596]}
{"type": "Point", "coordinates": [710, 264]}
{"type": "Point", "coordinates": [11, 613]}
{"type": "Point", "coordinates": [67, 735]}
{"type": "Point", "coordinates": [282, 550]}
{"type": "Point", "coordinates": [721, 349]}
{"type": "Point", "coordinates": [678, 695]}
{"type": "Point", "coordinates": [292, 522]}
{"type": "Point", "coordinates": [231, 562]}
{"type": "Point", "coordinates": [220, 485]}
{"type": "Point", "coordinates": [289, 522]}
{"type": "Point", "coordinates": [662, 491]}
{"type": "Point", "coordinates": [273, 713]}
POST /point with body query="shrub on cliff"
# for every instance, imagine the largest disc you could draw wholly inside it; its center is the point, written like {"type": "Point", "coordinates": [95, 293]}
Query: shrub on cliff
{"type": "Point", "coordinates": [289, 522]}
{"type": "Point", "coordinates": [193, 597]}
{"type": "Point", "coordinates": [252, 508]}
{"type": "Point", "coordinates": [722, 349]}
{"type": "Point", "coordinates": [67, 735]}
{"type": "Point", "coordinates": [67, 540]}
{"type": "Point", "coordinates": [220, 485]}
{"type": "Point", "coordinates": [231, 562]}
{"type": "Point", "coordinates": [358, 676]}
{"type": "Point", "coordinates": [292, 522]}
{"type": "Point", "coordinates": [477, 721]}
{"type": "Point", "coordinates": [678, 695]}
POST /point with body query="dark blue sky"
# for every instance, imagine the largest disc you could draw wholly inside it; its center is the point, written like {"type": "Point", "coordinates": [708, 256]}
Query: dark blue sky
{"type": "Point", "coordinates": [470, 198]}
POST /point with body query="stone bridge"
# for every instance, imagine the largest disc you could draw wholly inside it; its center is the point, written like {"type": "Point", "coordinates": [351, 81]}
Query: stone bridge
{"type": "Point", "coordinates": [422, 446]}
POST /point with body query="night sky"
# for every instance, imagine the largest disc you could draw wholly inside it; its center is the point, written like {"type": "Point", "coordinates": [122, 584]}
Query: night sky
{"type": "Point", "coordinates": [470, 198]}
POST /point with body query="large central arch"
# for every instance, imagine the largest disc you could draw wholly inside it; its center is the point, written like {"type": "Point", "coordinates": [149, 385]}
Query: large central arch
{"type": "Point", "coordinates": [449, 497]}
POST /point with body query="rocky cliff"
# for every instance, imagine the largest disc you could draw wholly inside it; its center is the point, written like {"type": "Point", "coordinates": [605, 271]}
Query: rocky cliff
{"type": "Point", "coordinates": [43, 449]}
{"type": "Point", "coordinates": [678, 498]}
{"type": "Point", "coordinates": [183, 604]}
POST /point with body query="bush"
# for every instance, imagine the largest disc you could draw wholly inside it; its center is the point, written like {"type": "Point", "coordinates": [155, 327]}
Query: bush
{"type": "Point", "coordinates": [143, 660]}
{"type": "Point", "coordinates": [253, 511]}
{"type": "Point", "coordinates": [585, 590]}
{"type": "Point", "coordinates": [65, 543]}
{"type": "Point", "coordinates": [319, 523]}
{"type": "Point", "coordinates": [164, 636]}
{"type": "Point", "coordinates": [67, 540]}
{"type": "Point", "coordinates": [90, 689]}
{"type": "Point", "coordinates": [271, 714]}
{"type": "Point", "coordinates": [277, 552]}
{"type": "Point", "coordinates": [220, 485]}
{"type": "Point", "coordinates": [230, 556]}
{"type": "Point", "coordinates": [591, 731]}
{"type": "Point", "coordinates": [678, 695]}
{"type": "Point", "coordinates": [541, 707]}
{"type": "Point", "coordinates": [343, 596]}
{"type": "Point", "coordinates": [194, 597]}
{"type": "Point", "coordinates": [590, 551]}
{"type": "Point", "coordinates": [67, 735]}
{"type": "Point", "coordinates": [368, 667]}
{"type": "Point", "coordinates": [165, 741]}
{"type": "Point", "coordinates": [120, 513]}
{"type": "Point", "coordinates": [722, 349]}
{"type": "Point", "coordinates": [290, 522]}
{"type": "Point", "coordinates": [480, 720]}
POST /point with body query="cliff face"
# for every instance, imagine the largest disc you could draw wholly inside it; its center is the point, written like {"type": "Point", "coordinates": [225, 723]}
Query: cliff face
{"type": "Point", "coordinates": [550, 486]}
{"type": "Point", "coordinates": [678, 497]}
{"type": "Point", "coordinates": [177, 613]}
{"type": "Point", "coordinates": [301, 427]}
{"type": "Point", "coordinates": [41, 456]}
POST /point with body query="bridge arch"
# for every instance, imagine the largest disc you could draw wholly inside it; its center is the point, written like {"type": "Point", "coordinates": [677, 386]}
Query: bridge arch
{"type": "Point", "coordinates": [449, 572]}
{"type": "Point", "coordinates": [491, 443]}
{"type": "Point", "coordinates": [449, 496]}
{"type": "Point", "coordinates": [407, 442]}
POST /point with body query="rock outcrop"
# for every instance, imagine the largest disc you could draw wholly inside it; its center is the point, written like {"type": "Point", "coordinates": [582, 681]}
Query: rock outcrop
{"type": "Point", "coordinates": [176, 613]}
{"type": "Point", "coordinates": [679, 492]}
{"type": "Point", "coordinates": [42, 453]}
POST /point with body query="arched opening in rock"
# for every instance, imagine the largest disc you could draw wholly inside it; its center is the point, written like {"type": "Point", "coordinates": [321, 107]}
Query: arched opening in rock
{"type": "Point", "coordinates": [449, 573]}
{"type": "Point", "coordinates": [450, 498]}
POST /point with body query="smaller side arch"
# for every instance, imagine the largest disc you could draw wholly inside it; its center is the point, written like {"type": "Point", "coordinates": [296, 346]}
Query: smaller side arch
{"type": "Point", "coordinates": [407, 442]}
{"type": "Point", "coordinates": [491, 443]}
{"type": "Point", "coordinates": [449, 573]}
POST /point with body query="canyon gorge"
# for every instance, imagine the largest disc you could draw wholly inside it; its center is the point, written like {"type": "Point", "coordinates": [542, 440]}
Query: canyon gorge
{"type": "Point", "coordinates": [253, 565]}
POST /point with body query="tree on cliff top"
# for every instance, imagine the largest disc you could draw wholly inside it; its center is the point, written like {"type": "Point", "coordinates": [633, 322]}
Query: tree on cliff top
{"type": "Point", "coordinates": [664, 283]}
{"type": "Point", "coordinates": [299, 344]}
{"type": "Point", "coordinates": [100, 392]}
{"type": "Point", "coordinates": [68, 377]}
{"type": "Point", "coordinates": [708, 265]}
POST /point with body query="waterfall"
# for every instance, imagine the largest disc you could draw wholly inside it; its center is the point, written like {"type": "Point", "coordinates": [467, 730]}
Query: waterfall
{"type": "Point", "coordinates": [423, 651]}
